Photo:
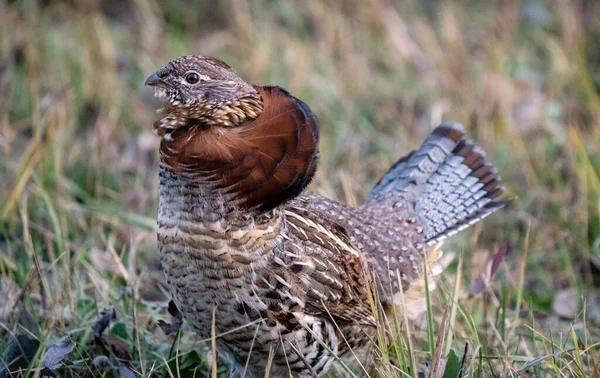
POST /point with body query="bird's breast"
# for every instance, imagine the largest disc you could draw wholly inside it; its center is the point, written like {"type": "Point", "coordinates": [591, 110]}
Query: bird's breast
{"type": "Point", "coordinates": [213, 256]}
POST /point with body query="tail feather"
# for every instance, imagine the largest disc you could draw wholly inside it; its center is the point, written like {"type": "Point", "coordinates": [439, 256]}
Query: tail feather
{"type": "Point", "coordinates": [448, 180]}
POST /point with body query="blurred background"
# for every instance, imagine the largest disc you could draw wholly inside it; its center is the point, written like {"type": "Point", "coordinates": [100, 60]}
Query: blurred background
{"type": "Point", "coordinates": [78, 160]}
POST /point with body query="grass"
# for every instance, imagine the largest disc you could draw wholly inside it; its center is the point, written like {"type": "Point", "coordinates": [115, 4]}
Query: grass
{"type": "Point", "coordinates": [78, 167]}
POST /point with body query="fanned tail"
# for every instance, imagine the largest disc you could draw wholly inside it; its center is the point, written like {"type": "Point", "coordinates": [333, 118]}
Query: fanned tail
{"type": "Point", "coordinates": [449, 181]}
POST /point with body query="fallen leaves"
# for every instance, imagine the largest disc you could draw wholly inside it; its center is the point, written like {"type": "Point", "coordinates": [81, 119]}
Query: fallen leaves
{"type": "Point", "coordinates": [56, 353]}
{"type": "Point", "coordinates": [482, 281]}
{"type": "Point", "coordinates": [110, 342]}
{"type": "Point", "coordinates": [21, 350]}
{"type": "Point", "coordinates": [176, 320]}
{"type": "Point", "coordinates": [109, 351]}
{"type": "Point", "coordinates": [106, 316]}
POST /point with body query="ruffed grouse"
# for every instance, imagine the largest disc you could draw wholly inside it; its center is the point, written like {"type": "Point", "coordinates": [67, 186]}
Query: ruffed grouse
{"type": "Point", "coordinates": [285, 274]}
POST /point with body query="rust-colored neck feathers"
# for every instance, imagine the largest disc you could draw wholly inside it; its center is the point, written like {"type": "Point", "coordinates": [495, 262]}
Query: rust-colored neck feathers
{"type": "Point", "coordinates": [263, 162]}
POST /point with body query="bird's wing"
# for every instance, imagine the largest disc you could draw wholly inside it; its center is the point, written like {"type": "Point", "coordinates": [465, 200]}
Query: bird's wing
{"type": "Point", "coordinates": [331, 270]}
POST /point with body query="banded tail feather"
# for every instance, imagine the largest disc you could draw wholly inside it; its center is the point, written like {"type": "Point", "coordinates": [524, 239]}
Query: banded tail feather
{"type": "Point", "coordinates": [449, 181]}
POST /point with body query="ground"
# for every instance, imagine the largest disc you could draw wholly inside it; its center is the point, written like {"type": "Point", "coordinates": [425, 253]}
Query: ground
{"type": "Point", "coordinates": [78, 187]}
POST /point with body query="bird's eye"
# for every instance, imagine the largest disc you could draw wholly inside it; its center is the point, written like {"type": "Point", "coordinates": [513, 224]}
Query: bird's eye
{"type": "Point", "coordinates": [192, 78]}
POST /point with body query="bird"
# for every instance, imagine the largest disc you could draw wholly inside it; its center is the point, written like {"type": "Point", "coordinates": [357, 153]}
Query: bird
{"type": "Point", "coordinates": [283, 279]}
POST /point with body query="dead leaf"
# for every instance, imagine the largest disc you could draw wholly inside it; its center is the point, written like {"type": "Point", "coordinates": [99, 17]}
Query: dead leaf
{"type": "Point", "coordinates": [498, 257]}
{"type": "Point", "coordinates": [103, 322]}
{"type": "Point", "coordinates": [482, 281]}
{"type": "Point", "coordinates": [116, 346]}
{"type": "Point", "coordinates": [56, 353]}
{"type": "Point", "coordinates": [176, 320]}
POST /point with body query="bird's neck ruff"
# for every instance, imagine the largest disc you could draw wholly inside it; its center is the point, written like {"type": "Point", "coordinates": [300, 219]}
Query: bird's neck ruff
{"type": "Point", "coordinates": [246, 108]}
{"type": "Point", "coordinates": [256, 155]}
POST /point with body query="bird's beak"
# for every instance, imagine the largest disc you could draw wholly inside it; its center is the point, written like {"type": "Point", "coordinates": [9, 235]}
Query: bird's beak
{"type": "Point", "coordinates": [153, 80]}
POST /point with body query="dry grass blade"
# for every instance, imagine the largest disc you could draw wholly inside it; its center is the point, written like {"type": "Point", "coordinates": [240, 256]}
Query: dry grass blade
{"type": "Point", "coordinates": [213, 344]}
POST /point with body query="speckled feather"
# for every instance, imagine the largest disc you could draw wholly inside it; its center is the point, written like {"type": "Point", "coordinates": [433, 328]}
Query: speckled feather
{"type": "Point", "coordinates": [285, 273]}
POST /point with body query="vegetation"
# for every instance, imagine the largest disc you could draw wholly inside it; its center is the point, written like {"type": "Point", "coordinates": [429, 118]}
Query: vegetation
{"type": "Point", "coordinates": [78, 168]}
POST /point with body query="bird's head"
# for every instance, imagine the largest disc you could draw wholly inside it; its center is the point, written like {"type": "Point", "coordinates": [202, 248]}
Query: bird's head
{"type": "Point", "coordinates": [199, 89]}
{"type": "Point", "coordinates": [258, 144]}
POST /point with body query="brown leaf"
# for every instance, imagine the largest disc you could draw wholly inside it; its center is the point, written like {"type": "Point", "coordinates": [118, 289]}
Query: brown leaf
{"type": "Point", "coordinates": [117, 346]}
{"type": "Point", "coordinates": [176, 320]}
{"type": "Point", "coordinates": [103, 322]}
{"type": "Point", "coordinates": [498, 257]}
{"type": "Point", "coordinates": [482, 281]}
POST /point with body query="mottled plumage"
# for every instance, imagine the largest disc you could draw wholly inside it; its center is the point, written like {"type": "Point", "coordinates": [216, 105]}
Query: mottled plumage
{"type": "Point", "coordinates": [287, 275]}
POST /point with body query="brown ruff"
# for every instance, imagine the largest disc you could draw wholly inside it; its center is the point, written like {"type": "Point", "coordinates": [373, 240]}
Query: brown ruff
{"type": "Point", "coordinates": [263, 162]}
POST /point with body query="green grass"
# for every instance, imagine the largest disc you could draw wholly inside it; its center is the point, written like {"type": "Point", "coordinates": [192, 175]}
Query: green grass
{"type": "Point", "coordinates": [78, 166]}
